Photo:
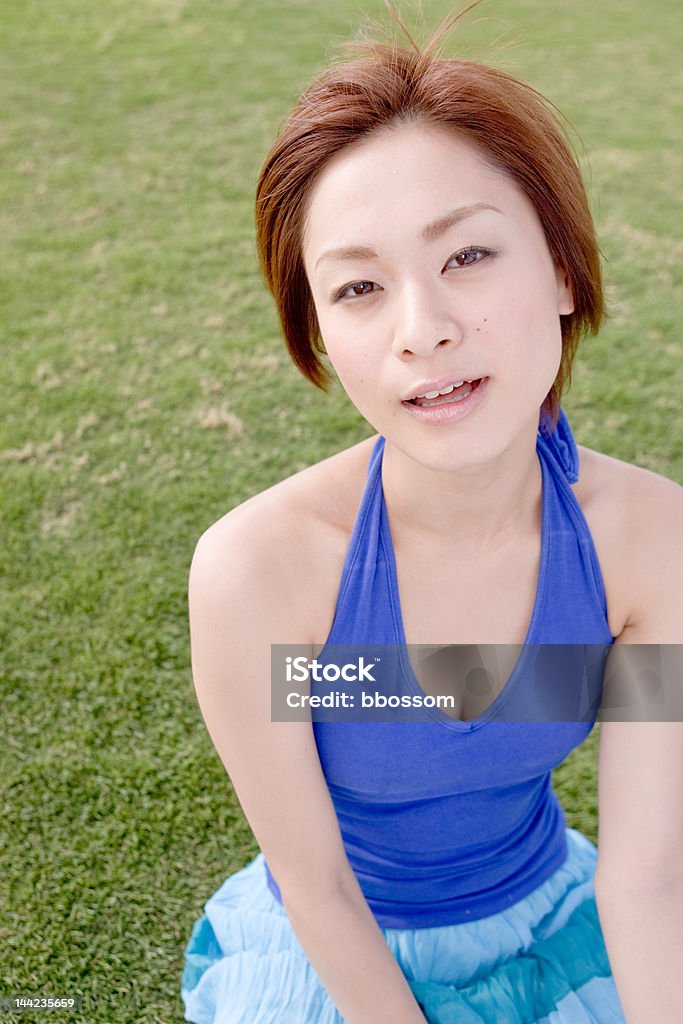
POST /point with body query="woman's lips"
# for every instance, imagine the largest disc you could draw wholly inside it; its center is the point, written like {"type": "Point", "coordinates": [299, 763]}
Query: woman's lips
{"type": "Point", "coordinates": [449, 408]}
{"type": "Point", "coordinates": [456, 393]}
{"type": "Point", "coordinates": [425, 387]}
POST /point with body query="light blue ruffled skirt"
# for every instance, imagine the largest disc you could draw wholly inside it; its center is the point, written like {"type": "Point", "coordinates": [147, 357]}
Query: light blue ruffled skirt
{"type": "Point", "coordinates": [541, 961]}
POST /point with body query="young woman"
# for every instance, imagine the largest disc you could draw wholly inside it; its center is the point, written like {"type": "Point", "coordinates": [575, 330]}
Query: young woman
{"type": "Point", "coordinates": [422, 221]}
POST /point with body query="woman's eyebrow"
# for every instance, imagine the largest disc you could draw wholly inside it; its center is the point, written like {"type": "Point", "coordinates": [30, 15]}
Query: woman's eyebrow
{"type": "Point", "coordinates": [348, 252]}
{"type": "Point", "coordinates": [438, 227]}
{"type": "Point", "coordinates": [429, 233]}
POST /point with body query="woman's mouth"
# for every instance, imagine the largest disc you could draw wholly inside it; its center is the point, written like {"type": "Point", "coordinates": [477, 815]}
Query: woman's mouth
{"type": "Point", "coordinates": [456, 392]}
{"type": "Point", "coordinates": [451, 403]}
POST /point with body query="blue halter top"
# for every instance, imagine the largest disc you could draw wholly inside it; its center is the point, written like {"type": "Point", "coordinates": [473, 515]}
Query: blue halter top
{"type": "Point", "coordinates": [446, 821]}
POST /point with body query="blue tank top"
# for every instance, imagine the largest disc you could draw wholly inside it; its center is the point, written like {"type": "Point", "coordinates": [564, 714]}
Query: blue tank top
{"type": "Point", "coordinates": [447, 821]}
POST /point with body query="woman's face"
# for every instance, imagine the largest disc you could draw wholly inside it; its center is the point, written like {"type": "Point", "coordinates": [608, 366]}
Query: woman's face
{"type": "Point", "coordinates": [428, 268]}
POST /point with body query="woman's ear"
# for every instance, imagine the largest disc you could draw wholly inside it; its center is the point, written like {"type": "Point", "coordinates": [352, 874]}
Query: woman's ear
{"type": "Point", "coordinates": [565, 295]}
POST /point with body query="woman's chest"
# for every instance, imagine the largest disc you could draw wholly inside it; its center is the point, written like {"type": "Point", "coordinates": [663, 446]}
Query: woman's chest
{"type": "Point", "coordinates": [474, 600]}
{"type": "Point", "coordinates": [469, 602]}
{"type": "Point", "coordinates": [449, 596]}
{"type": "Point", "coordinates": [393, 763]}
{"type": "Point", "coordinates": [466, 622]}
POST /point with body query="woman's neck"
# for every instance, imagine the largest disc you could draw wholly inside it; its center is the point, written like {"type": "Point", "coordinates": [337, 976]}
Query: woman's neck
{"type": "Point", "coordinates": [472, 508]}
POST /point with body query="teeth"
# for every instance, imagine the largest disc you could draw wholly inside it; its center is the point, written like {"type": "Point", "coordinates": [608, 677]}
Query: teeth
{"type": "Point", "coordinates": [444, 391]}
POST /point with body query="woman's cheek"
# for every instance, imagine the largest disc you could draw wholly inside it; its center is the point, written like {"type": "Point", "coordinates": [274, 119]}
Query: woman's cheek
{"type": "Point", "coordinates": [352, 359]}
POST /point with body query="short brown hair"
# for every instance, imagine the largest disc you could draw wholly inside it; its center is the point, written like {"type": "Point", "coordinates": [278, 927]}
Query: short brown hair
{"type": "Point", "coordinates": [515, 129]}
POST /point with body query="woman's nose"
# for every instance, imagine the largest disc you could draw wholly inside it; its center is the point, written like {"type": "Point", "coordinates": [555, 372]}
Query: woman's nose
{"type": "Point", "coordinates": [425, 319]}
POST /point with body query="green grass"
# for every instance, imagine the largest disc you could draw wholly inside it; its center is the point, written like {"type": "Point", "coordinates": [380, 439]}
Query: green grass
{"type": "Point", "coordinates": [133, 318]}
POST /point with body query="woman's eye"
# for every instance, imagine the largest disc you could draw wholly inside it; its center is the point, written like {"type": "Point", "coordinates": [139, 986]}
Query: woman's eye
{"type": "Point", "coordinates": [466, 257]}
{"type": "Point", "coordinates": [356, 290]}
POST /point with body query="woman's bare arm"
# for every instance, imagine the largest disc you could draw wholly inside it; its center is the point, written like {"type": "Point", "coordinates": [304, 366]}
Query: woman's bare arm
{"type": "Point", "coordinates": [639, 879]}
{"type": "Point", "coordinates": [244, 596]}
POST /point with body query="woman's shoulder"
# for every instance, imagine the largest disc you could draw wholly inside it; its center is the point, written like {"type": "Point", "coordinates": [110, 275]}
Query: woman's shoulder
{"type": "Point", "coordinates": [605, 478]}
{"type": "Point", "coordinates": [636, 520]}
{"type": "Point", "coordinates": [290, 540]}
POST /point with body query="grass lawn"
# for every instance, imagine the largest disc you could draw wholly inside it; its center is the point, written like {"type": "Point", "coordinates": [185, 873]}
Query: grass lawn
{"type": "Point", "coordinates": [134, 330]}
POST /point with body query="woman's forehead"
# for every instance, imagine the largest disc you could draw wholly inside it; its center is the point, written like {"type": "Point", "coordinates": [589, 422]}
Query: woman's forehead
{"type": "Point", "coordinates": [409, 177]}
